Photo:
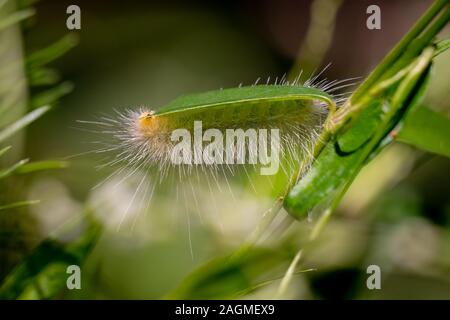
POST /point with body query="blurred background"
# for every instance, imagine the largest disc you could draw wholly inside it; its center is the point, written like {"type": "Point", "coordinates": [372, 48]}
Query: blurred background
{"type": "Point", "coordinates": [146, 53]}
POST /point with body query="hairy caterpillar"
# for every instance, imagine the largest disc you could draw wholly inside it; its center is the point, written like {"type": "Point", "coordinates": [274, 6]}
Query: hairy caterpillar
{"type": "Point", "coordinates": [142, 139]}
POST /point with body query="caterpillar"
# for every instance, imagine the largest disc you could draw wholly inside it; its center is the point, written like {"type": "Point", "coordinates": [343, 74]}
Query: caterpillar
{"type": "Point", "coordinates": [142, 140]}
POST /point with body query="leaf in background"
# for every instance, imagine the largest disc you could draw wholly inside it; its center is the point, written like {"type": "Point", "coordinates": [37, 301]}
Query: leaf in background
{"type": "Point", "coordinates": [41, 165]}
{"type": "Point", "coordinates": [227, 277]}
{"type": "Point", "coordinates": [427, 130]}
{"type": "Point", "coordinates": [22, 122]}
{"type": "Point", "coordinates": [9, 171]}
{"type": "Point", "coordinates": [25, 3]}
{"type": "Point", "coordinates": [43, 272]}
{"type": "Point", "coordinates": [51, 95]}
{"type": "Point", "coordinates": [35, 62]}
{"type": "Point", "coordinates": [4, 150]}
{"type": "Point", "coordinates": [42, 275]}
{"type": "Point", "coordinates": [18, 204]}
{"type": "Point", "coordinates": [52, 52]}
{"type": "Point", "coordinates": [42, 76]}
{"type": "Point", "coordinates": [15, 18]}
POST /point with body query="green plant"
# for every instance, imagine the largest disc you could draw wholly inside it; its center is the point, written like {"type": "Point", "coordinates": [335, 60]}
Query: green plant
{"type": "Point", "coordinates": [39, 275]}
{"type": "Point", "coordinates": [385, 107]}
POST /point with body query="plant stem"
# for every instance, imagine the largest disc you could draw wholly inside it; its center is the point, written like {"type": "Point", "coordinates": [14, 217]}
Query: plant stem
{"type": "Point", "coordinates": [398, 50]}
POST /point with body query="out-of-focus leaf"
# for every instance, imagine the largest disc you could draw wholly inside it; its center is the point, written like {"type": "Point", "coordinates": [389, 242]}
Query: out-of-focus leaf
{"type": "Point", "coordinates": [427, 130]}
{"type": "Point", "coordinates": [41, 165]}
{"type": "Point", "coordinates": [51, 95]}
{"type": "Point", "coordinates": [18, 204]}
{"type": "Point", "coordinates": [23, 167]}
{"type": "Point", "coordinates": [52, 52]}
{"type": "Point", "coordinates": [42, 76]}
{"type": "Point", "coordinates": [39, 75]}
{"type": "Point", "coordinates": [42, 275]}
{"type": "Point", "coordinates": [25, 3]}
{"type": "Point", "coordinates": [15, 17]}
{"type": "Point", "coordinates": [260, 285]}
{"type": "Point", "coordinates": [228, 277]}
{"type": "Point", "coordinates": [22, 122]}
{"type": "Point", "coordinates": [9, 171]}
{"type": "Point", "coordinates": [4, 150]}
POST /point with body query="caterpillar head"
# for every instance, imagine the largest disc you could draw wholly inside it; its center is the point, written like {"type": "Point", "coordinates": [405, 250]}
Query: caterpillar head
{"type": "Point", "coordinates": [145, 119]}
{"type": "Point", "coordinates": [149, 125]}
{"type": "Point", "coordinates": [148, 137]}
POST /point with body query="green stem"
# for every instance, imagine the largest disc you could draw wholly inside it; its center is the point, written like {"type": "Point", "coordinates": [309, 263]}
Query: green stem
{"type": "Point", "coordinates": [398, 50]}
{"type": "Point", "coordinates": [420, 43]}
{"type": "Point", "coordinates": [397, 103]}
{"type": "Point", "coordinates": [327, 133]}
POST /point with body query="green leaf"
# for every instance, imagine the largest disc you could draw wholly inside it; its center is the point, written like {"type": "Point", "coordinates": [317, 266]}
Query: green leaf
{"type": "Point", "coordinates": [51, 95]}
{"type": "Point", "coordinates": [25, 3]}
{"type": "Point", "coordinates": [9, 171]}
{"type": "Point", "coordinates": [16, 17]}
{"type": "Point", "coordinates": [41, 165]}
{"type": "Point", "coordinates": [52, 52]}
{"type": "Point", "coordinates": [42, 76]}
{"type": "Point", "coordinates": [324, 180]}
{"type": "Point", "coordinates": [362, 128]}
{"type": "Point", "coordinates": [42, 275]}
{"type": "Point", "coordinates": [22, 122]}
{"type": "Point", "coordinates": [333, 171]}
{"type": "Point", "coordinates": [240, 97]}
{"type": "Point", "coordinates": [18, 204]}
{"type": "Point", "coordinates": [427, 130]}
{"type": "Point", "coordinates": [4, 150]}
{"type": "Point", "coordinates": [228, 277]}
